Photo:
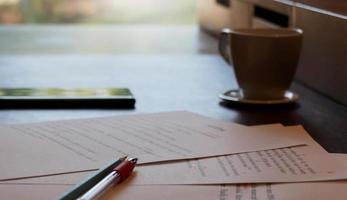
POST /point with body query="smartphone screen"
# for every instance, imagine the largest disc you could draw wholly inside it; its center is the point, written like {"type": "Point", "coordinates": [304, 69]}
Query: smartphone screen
{"type": "Point", "coordinates": [66, 97]}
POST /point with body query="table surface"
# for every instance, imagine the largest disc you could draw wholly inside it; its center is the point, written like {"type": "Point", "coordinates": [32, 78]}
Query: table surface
{"type": "Point", "coordinates": [336, 6]}
{"type": "Point", "coordinates": [167, 67]}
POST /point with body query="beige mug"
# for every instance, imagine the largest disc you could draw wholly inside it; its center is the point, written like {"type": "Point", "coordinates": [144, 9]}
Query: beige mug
{"type": "Point", "coordinates": [264, 60]}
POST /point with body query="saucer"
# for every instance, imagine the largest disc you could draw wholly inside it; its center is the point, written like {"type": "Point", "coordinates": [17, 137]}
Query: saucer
{"type": "Point", "coordinates": [235, 96]}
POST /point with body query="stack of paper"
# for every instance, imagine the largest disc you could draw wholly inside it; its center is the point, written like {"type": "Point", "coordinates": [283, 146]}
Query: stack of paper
{"type": "Point", "coordinates": [182, 156]}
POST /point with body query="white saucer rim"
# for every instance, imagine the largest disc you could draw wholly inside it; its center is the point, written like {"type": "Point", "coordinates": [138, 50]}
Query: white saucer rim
{"type": "Point", "coordinates": [285, 100]}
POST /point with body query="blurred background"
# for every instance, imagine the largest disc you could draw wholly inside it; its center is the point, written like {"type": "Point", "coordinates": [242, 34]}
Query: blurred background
{"type": "Point", "coordinates": [43, 27]}
{"type": "Point", "coordinates": [98, 11]}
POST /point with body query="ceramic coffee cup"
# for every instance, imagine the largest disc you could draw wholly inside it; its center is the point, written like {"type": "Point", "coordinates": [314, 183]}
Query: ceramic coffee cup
{"type": "Point", "coordinates": [264, 60]}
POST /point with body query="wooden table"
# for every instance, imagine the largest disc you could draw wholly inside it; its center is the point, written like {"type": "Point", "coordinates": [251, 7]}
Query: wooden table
{"type": "Point", "coordinates": [338, 7]}
{"type": "Point", "coordinates": [168, 68]}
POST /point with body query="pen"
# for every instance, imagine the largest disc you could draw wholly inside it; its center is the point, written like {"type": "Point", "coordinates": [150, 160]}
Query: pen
{"type": "Point", "coordinates": [120, 173]}
{"type": "Point", "coordinates": [88, 183]}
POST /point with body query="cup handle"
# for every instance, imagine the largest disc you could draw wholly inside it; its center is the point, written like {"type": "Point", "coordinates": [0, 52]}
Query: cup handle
{"type": "Point", "coordinates": [223, 45]}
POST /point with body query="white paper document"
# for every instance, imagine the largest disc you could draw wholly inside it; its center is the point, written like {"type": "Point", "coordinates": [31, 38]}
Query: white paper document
{"type": "Point", "coordinates": [312, 148]}
{"type": "Point", "coordinates": [297, 191]}
{"type": "Point", "coordinates": [291, 191]}
{"type": "Point", "coordinates": [78, 145]}
{"type": "Point", "coordinates": [335, 190]}
{"type": "Point", "coordinates": [280, 165]}
{"type": "Point", "coordinates": [292, 164]}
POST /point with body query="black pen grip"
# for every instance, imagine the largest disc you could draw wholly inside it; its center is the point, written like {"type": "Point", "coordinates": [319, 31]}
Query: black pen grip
{"type": "Point", "coordinates": [89, 182]}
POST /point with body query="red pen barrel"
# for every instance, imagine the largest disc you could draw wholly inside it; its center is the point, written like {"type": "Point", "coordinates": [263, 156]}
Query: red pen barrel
{"type": "Point", "coordinates": [124, 169]}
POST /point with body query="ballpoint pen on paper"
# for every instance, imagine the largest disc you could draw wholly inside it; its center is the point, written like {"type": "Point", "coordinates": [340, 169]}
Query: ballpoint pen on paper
{"type": "Point", "coordinates": [91, 181]}
{"type": "Point", "coordinates": [121, 172]}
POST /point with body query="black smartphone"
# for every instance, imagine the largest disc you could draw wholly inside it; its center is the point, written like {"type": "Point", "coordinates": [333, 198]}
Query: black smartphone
{"type": "Point", "coordinates": [66, 98]}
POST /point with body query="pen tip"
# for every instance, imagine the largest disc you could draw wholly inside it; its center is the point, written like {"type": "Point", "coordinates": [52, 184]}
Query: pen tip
{"type": "Point", "coordinates": [133, 160]}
